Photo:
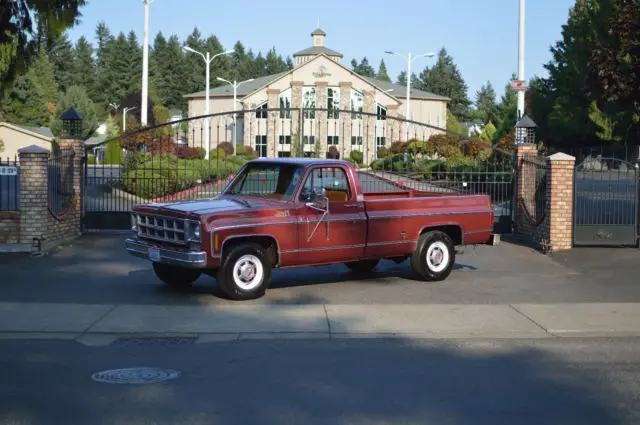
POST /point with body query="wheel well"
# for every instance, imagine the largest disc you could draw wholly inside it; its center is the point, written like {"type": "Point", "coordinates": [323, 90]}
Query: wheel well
{"type": "Point", "coordinates": [269, 244]}
{"type": "Point", "coordinates": [453, 230]}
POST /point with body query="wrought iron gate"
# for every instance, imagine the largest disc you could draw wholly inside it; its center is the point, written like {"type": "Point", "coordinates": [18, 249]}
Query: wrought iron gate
{"type": "Point", "coordinates": [605, 203]}
{"type": "Point", "coordinates": [169, 162]}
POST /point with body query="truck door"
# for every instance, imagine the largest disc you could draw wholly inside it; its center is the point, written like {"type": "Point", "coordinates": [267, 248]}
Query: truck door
{"type": "Point", "coordinates": [340, 233]}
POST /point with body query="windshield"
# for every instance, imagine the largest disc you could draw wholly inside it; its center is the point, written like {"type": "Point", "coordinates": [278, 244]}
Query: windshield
{"type": "Point", "coordinates": [274, 181]}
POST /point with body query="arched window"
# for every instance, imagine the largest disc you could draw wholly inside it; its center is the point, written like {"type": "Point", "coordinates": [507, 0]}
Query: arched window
{"type": "Point", "coordinates": [285, 104]}
{"type": "Point", "coordinates": [309, 102]}
{"type": "Point", "coordinates": [261, 111]}
{"type": "Point", "coordinates": [333, 102]}
{"type": "Point", "coordinates": [357, 104]}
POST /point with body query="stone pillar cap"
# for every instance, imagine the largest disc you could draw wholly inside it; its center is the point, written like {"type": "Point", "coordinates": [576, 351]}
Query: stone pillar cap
{"type": "Point", "coordinates": [560, 156]}
{"type": "Point", "coordinates": [33, 149]}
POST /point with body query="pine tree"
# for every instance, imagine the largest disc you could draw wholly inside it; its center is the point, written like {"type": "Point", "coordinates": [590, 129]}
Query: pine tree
{"type": "Point", "coordinates": [77, 98]}
{"type": "Point", "coordinates": [83, 67]}
{"type": "Point", "coordinates": [61, 56]}
{"type": "Point", "coordinates": [444, 79]}
{"type": "Point", "coordinates": [486, 108]}
{"type": "Point", "coordinates": [382, 72]}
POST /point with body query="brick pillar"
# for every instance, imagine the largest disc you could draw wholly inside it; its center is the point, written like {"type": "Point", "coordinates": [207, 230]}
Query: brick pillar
{"type": "Point", "coordinates": [273, 102]}
{"type": "Point", "coordinates": [369, 128]}
{"type": "Point", "coordinates": [321, 134]}
{"type": "Point", "coordinates": [345, 120]}
{"type": "Point", "coordinates": [34, 211]}
{"type": "Point", "coordinates": [560, 169]}
{"type": "Point", "coordinates": [72, 220]}
{"type": "Point", "coordinates": [525, 229]}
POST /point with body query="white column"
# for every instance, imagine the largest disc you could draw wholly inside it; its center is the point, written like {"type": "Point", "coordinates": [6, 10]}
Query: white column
{"type": "Point", "coordinates": [521, 58]}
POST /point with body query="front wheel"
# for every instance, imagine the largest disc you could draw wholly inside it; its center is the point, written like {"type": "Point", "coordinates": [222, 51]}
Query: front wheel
{"type": "Point", "coordinates": [245, 272]}
{"type": "Point", "coordinates": [177, 277]}
{"type": "Point", "coordinates": [434, 256]}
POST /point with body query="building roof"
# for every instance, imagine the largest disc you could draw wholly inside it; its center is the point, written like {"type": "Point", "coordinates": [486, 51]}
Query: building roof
{"type": "Point", "coordinates": [318, 31]}
{"type": "Point", "coordinates": [43, 131]}
{"type": "Point", "coordinates": [398, 90]}
{"type": "Point", "coordinates": [243, 90]}
{"type": "Point", "coordinates": [317, 50]}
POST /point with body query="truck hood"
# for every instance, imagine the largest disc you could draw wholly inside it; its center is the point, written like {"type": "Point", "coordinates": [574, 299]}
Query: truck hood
{"type": "Point", "coordinates": [193, 209]}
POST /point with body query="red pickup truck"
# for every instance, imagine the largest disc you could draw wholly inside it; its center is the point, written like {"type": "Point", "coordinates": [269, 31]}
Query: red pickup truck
{"type": "Point", "coordinates": [279, 213]}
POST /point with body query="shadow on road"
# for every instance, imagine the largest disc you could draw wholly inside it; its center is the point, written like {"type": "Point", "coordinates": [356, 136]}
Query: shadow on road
{"type": "Point", "coordinates": [354, 381]}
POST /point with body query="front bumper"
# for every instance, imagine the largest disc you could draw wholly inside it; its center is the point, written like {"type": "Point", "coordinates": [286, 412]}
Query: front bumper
{"type": "Point", "coordinates": [190, 259]}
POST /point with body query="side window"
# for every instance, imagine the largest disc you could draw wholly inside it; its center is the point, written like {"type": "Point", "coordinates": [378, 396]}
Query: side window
{"type": "Point", "coordinates": [332, 180]}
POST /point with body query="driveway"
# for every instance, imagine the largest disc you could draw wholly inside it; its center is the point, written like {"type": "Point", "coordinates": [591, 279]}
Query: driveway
{"type": "Point", "coordinates": [95, 269]}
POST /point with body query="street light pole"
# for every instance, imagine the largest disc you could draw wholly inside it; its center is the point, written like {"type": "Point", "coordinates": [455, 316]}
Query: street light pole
{"type": "Point", "coordinates": [207, 60]}
{"type": "Point", "coordinates": [521, 57]}
{"type": "Point", "coordinates": [124, 117]}
{"type": "Point", "coordinates": [409, 60]}
{"type": "Point", "coordinates": [145, 65]}
{"type": "Point", "coordinates": [235, 86]}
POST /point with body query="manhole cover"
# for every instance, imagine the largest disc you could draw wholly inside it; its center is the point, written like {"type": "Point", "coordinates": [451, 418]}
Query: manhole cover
{"type": "Point", "coordinates": [135, 375]}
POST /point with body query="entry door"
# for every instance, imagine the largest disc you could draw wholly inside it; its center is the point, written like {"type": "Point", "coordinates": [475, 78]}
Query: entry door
{"type": "Point", "coordinates": [339, 235]}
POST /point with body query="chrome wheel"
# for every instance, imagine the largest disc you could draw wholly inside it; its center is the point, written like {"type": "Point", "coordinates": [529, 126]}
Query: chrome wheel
{"type": "Point", "coordinates": [437, 256]}
{"type": "Point", "coordinates": [248, 272]}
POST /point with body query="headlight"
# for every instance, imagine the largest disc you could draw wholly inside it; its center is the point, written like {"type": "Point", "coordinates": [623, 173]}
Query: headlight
{"type": "Point", "coordinates": [194, 231]}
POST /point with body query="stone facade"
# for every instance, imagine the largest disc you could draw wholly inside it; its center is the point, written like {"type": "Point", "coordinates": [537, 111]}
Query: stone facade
{"type": "Point", "coordinates": [35, 221]}
{"type": "Point", "coordinates": [551, 229]}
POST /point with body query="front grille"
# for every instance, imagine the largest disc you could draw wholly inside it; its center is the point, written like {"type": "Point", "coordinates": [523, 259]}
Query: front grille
{"type": "Point", "coordinates": [171, 230]}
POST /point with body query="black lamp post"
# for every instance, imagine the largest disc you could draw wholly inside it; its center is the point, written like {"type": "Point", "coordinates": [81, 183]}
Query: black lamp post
{"type": "Point", "coordinates": [71, 124]}
{"type": "Point", "coordinates": [526, 130]}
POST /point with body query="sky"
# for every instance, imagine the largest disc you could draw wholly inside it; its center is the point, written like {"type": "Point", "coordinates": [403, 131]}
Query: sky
{"type": "Point", "coordinates": [481, 36]}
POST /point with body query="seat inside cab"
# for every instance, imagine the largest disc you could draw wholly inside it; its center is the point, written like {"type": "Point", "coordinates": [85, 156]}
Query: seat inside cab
{"type": "Point", "coordinates": [336, 195]}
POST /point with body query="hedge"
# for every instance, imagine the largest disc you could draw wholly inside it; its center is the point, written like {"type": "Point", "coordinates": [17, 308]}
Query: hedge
{"type": "Point", "coordinates": [160, 176]}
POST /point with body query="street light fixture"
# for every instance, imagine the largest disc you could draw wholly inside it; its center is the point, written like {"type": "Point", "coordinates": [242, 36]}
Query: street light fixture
{"type": "Point", "coordinates": [124, 117]}
{"type": "Point", "coordinates": [409, 60]}
{"type": "Point", "coordinates": [207, 60]}
{"type": "Point", "coordinates": [235, 86]}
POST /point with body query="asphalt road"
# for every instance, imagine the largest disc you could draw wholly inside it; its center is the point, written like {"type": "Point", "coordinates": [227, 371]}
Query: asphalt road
{"type": "Point", "coordinates": [95, 269]}
{"type": "Point", "coordinates": [569, 381]}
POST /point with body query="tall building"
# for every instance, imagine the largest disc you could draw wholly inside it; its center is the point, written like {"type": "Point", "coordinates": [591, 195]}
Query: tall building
{"type": "Point", "coordinates": [272, 122]}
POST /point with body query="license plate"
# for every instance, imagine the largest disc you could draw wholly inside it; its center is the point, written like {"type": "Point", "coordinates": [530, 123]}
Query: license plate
{"type": "Point", "coordinates": [154, 254]}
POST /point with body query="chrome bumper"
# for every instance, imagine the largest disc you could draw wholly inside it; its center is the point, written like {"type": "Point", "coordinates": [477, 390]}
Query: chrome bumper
{"type": "Point", "coordinates": [190, 259]}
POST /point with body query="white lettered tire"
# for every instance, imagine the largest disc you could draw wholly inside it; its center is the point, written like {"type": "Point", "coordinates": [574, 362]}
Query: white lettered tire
{"type": "Point", "coordinates": [434, 256]}
{"type": "Point", "coordinates": [245, 272]}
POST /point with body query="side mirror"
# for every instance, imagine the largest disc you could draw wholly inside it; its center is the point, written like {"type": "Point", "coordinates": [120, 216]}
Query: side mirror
{"type": "Point", "coordinates": [318, 201]}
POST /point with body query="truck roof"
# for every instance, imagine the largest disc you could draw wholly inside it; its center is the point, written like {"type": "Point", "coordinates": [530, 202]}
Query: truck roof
{"type": "Point", "coordinates": [302, 161]}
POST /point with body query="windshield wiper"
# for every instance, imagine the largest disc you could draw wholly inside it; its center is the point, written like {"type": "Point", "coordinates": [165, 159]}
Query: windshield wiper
{"type": "Point", "coordinates": [242, 201]}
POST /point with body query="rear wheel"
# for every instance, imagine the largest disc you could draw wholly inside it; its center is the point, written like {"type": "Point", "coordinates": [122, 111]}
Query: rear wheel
{"type": "Point", "coordinates": [245, 272]}
{"type": "Point", "coordinates": [174, 276]}
{"type": "Point", "coordinates": [434, 256]}
{"type": "Point", "coordinates": [363, 266]}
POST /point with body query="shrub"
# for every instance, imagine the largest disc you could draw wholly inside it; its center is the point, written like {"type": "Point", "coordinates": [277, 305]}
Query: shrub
{"type": "Point", "coordinates": [357, 157]}
{"type": "Point", "coordinates": [226, 147]}
{"type": "Point", "coordinates": [416, 147]}
{"type": "Point", "coordinates": [333, 153]}
{"type": "Point", "coordinates": [162, 146]}
{"type": "Point", "coordinates": [477, 149]}
{"type": "Point", "coordinates": [189, 152]}
{"type": "Point", "coordinates": [383, 152]}
{"type": "Point", "coordinates": [91, 159]}
{"type": "Point", "coordinates": [444, 144]}
{"type": "Point", "coordinates": [398, 147]}
{"type": "Point", "coordinates": [113, 153]}
{"type": "Point", "coordinates": [246, 151]}
{"type": "Point", "coordinates": [508, 142]}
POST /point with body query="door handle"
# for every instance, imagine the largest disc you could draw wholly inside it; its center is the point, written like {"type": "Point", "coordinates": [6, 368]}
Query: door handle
{"type": "Point", "coordinates": [353, 206]}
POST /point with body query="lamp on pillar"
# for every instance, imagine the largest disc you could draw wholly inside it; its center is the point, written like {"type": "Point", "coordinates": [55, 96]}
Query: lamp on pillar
{"type": "Point", "coordinates": [71, 124]}
{"type": "Point", "coordinates": [526, 130]}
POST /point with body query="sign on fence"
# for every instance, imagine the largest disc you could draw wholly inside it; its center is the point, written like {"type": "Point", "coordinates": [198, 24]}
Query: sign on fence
{"type": "Point", "coordinates": [8, 171]}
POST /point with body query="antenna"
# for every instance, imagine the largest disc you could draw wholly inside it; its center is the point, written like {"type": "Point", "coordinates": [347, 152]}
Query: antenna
{"type": "Point", "coordinates": [318, 22]}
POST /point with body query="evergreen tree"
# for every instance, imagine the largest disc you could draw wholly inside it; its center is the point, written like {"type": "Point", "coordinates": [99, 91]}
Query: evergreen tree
{"type": "Point", "coordinates": [195, 74]}
{"type": "Point", "coordinates": [382, 72]}
{"type": "Point", "coordinates": [444, 79]}
{"type": "Point", "coordinates": [76, 97]}
{"type": "Point", "coordinates": [363, 68]}
{"type": "Point", "coordinates": [507, 111]}
{"type": "Point", "coordinates": [486, 108]}
{"type": "Point", "coordinates": [61, 56]}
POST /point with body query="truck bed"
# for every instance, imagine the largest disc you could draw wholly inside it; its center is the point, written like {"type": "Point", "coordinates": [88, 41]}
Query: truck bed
{"type": "Point", "coordinates": [396, 219]}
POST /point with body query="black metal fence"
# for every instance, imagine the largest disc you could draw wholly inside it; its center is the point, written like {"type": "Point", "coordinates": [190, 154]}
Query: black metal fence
{"type": "Point", "coordinates": [61, 191]}
{"type": "Point", "coordinates": [533, 189]}
{"type": "Point", "coordinates": [606, 202]}
{"type": "Point", "coordinates": [9, 184]}
{"type": "Point", "coordinates": [193, 158]}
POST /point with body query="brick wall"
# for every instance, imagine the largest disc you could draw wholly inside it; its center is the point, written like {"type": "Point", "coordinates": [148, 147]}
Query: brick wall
{"type": "Point", "coordinates": [35, 220]}
{"type": "Point", "coordinates": [550, 229]}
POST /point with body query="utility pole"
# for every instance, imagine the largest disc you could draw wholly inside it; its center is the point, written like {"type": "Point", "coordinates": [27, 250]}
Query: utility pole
{"type": "Point", "coordinates": [145, 65]}
{"type": "Point", "coordinates": [521, 58]}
